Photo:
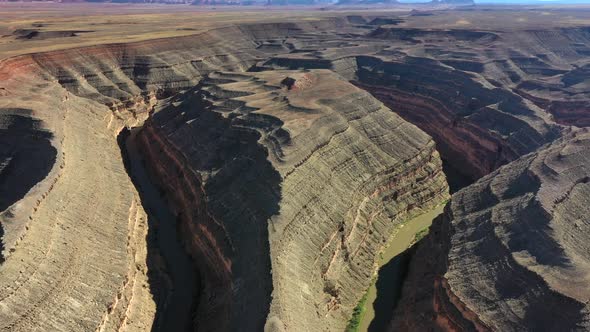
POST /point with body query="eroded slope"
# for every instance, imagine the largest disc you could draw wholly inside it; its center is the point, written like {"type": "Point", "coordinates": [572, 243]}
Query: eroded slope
{"type": "Point", "coordinates": [85, 96]}
{"type": "Point", "coordinates": [76, 241]}
{"type": "Point", "coordinates": [487, 94]}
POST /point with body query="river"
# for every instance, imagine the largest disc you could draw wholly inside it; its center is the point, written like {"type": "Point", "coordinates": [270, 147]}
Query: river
{"type": "Point", "coordinates": [385, 291]}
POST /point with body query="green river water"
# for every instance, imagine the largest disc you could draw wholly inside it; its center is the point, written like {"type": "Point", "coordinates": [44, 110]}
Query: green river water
{"type": "Point", "coordinates": [384, 292]}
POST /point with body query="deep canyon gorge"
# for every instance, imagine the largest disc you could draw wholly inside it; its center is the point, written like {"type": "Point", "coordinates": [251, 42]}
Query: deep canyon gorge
{"type": "Point", "coordinates": [246, 170]}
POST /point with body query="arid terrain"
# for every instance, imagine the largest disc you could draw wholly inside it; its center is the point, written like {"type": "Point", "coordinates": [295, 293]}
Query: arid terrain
{"type": "Point", "coordinates": [176, 168]}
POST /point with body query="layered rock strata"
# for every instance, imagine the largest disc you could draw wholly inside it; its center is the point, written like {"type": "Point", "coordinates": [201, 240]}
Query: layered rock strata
{"type": "Point", "coordinates": [487, 96]}
{"type": "Point", "coordinates": [316, 168]}
{"type": "Point", "coordinates": [77, 101]}
{"type": "Point", "coordinates": [476, 125]}
{"type": "Point", "coordinates": [285, 193]}
{"type": "Point", "coordinates": [75, 243]}
{"type": "Point", "coordinates": [74, 103]}
{"type": "Point", "coordinates": [510, 252]}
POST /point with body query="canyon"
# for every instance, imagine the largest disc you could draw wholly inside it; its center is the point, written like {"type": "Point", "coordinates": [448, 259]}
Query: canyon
{"type": "Point", "coordinates": [231, 170]}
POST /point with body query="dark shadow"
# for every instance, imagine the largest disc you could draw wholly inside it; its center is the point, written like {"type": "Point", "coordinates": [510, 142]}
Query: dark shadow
{"type": "Point", "coordinates": [174, 290]}
{"type": "Point", "coordinates": [240, 195]}
{"type": "Point", "coordinates": [26, 157]}
{"type": "Point", "coordinates": [389, 285]}
{"type": "Point", "coordinates": [455, 178]}
{"type": "Point", "coordinates": [533, 233]}
{"type": "Point", "coordinates": [1, 244]}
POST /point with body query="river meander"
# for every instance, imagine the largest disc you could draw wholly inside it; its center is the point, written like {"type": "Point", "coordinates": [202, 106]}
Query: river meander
{"type": "Point", "coordinates": [385, 291]}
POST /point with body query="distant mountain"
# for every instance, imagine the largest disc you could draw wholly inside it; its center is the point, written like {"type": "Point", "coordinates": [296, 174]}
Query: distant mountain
{"type": "Point", "coordinates": [368, 2]}
{"type": "Point", "coordinates": [194, 2]}
{"type": "Point", "coordinates": [457, 2]}
{"type": "Point", "coordinates": [267, 2]}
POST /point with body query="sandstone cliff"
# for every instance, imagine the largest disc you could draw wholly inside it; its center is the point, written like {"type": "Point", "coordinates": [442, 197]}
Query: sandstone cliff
{"type": "Point", "coordinates": [75, 241]}
{"type": "Point", "coordinates": [74, 229]}
{"type": "Point", "coordinates": [486, 96]}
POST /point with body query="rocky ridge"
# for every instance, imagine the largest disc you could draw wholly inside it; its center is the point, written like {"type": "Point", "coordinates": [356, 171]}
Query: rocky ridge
{"type": "Point", "coordinates": [318, 151]}
{"type": "Point", "coordinates": [508, 250]}
{"type": "Point", "coordinates": [489, 102]}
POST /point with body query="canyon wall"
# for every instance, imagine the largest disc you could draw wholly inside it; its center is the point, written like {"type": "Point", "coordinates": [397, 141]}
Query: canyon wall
{"type": "Point", "coordinates": [75, 242]}
{"type": "Point", "coordinates": [486, 96]}
{"type": "Point", "coordinates": [510, 252]}
{"type": "Point", "coordinates": [75, 256]}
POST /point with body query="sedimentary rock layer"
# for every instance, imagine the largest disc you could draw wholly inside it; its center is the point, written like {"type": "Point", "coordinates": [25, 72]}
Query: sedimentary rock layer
{"type": "Point", "coordinates": [287, 184]}
{"type": "Point", "coordinates": [510, 252]}
{"type": "Point", "coordinates": [79, 100]}
{"type": "Point", "coordinates": [75, 243]}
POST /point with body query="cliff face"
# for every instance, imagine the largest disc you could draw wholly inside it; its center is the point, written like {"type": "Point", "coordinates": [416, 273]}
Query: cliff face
{"type": "Point", "coordinates": [476, 125]}
{"type": "Point", "coordinates": [510, 252]}
{"type": "Point", "coordinates": [75, 241]}
{"type": "Point", "coordinates": [297, 187]}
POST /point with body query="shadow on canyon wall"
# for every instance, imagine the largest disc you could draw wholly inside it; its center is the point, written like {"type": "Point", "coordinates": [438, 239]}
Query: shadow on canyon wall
{"type": "Point", "coordinates": [392, 275]}
{"type": "Point", "coordinates": [455, 178]}
{"type": "Point", "coordinates": [1, 244]}
{"type": "Point", "coordinates": [389, 287]}
{"type": "Point", "coordinates": [26, 157]}
{"type": "Point", "coordinates": [172, 275]}
{"type": "Point", "coordinates": [224, 190]}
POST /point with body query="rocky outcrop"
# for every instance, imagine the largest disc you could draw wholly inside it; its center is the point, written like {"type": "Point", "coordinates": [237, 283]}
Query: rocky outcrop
{"type": "Point", "coordinates": [510, 252]}
{"type": "Point", "coordinates": [75, 242]}
{"type": "Point", "coordinates": [311, 170]}
{"type": "Point", "coordinates": [119, 85]}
